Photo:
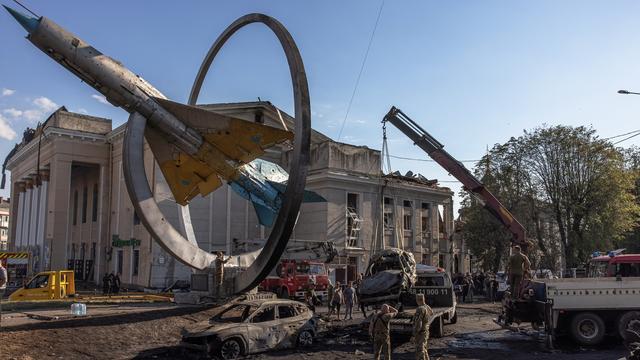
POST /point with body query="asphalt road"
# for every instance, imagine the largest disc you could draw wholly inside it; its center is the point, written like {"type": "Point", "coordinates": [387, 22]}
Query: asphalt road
{"type": "Point", "coordinates": [152, 332]}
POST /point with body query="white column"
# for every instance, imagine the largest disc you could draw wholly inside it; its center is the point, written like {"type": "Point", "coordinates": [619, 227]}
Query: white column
{"type": "Point", "coordinates": [35, 203]}
{"type": "Point", "coordinates": [42, 212]}
{"type": "Point", "coordinates": [26, 217]}
{"type": "Point", "coordinates": [18, 217]}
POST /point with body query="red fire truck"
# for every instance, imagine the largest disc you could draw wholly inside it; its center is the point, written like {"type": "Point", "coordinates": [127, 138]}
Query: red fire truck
{"type": "Point", "coordinates": [299, 271]}
{"type": "Point", "coordinates": [613, 264]}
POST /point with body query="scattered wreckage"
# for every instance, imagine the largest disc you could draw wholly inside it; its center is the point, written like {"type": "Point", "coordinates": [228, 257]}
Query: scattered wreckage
{"type": "Point", "coordinates": [389, 276]}
{"type": "Point", "coordinates": [393, 277]}
{"type": "Point", "coordinates": [253, 326]}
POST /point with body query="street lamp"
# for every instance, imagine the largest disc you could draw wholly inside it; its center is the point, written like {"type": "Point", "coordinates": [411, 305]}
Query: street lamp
{"type": "Point", "coordinates": [627, 92]}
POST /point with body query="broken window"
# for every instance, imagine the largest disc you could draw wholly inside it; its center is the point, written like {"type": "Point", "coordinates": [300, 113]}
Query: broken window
{"type": "Point", "coordinates": [285, 311]}
{"type": "Point", "coordinates": [425, 225]}
{"type": "Point", "coordinates": [264, 315]}
{"type": "Point", "coordinates": [354, 221]}
{"type": "Point", "coordinates": [388, 214]}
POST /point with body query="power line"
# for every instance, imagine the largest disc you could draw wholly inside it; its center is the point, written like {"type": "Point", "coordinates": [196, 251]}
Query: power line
{"type": "Point", "coordinates": [364, 61]}
{"type": "Point", "coordinates": [617, 136]}
{"type": "Point", "coordinates": [627, 138]}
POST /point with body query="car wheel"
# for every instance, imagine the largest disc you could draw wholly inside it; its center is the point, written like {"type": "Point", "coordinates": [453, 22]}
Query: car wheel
{"type": "Point", "coordinates": [436, 327]}
{"type": "Point", "coordinates": [624, 321]}
{"type": "Point", "coordinates": [587, 328]}
{"type": "Point", "coordinates": [454, 318]}
{"type": "Point", "coordinates": [305, 338]}
{"type": "Point", "coordinates": [230, 349]}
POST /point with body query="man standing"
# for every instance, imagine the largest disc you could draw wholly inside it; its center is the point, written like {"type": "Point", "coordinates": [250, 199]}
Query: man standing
{"type": "Point", "coordinates": [330, 291]}
{"type": "Point", "coordinates": [3, 286]}
{"type": "Point", "coordinates": [421, 322]}
{"type": "Point", "coordinates": [379, 330]}
{"type": "Point", "coordinates": [220, 261]}
{"type": "Point", "coordinates": [349, 299]}
{"type": "Point", "coordinates": [518, 264]}
{"type": "Point", "coordinates": [337, 299]}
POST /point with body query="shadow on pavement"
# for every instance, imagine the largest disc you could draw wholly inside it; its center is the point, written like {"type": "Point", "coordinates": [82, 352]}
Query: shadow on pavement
{"type": "Point", "coordinates": [107, 320]}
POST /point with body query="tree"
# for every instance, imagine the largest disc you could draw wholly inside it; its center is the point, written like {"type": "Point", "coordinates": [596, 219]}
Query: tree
{"type": "Point", "coordinates": [572, 191]}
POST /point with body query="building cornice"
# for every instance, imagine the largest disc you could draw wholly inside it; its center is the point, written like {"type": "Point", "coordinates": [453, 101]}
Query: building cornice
{"type": "Point", "coordinates": [48, 134]}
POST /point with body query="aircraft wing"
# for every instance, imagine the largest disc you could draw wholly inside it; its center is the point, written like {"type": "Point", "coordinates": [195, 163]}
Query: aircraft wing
{"type": "Point", "coordinates": [235, 141]}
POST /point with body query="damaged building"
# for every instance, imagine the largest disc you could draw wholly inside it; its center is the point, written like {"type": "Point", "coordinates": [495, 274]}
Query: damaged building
{"type": "Point", "coordinates": [70, 207]}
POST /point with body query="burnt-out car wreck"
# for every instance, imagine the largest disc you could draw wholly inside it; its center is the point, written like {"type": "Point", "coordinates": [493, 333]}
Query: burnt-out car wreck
{"type": "Point", "coordinates": [253, 326]}
{"type": "Point", "coordinates": [390, 275]}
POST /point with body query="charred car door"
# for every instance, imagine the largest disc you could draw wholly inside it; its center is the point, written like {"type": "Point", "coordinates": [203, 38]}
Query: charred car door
{"type": "Point", "coordinates": [262, 329]}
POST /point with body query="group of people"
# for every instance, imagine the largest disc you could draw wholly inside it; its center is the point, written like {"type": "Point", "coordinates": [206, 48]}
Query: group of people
{"type": "Point", "coordinates": [349, 296]}
{"type": "Point", "coordinates": [481, 283]}
{"type": "Point", "coordinates": [380, 332]}
{"type": "Point", "coordinates": [110, 284]}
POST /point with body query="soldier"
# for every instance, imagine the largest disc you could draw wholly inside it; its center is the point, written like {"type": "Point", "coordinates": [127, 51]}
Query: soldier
{"type": "Point", "coordinates": [220, 261]}
{"type": "Point", "coordinates": [379, 330]}
{"type": "Point", "coordinates": [421, 322]}
{"type": "Point", "coordinates": [518, 264]}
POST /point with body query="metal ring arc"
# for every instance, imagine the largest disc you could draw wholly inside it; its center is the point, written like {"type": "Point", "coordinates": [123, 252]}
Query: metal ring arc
{"type": "Point", "coordinates": [167, 236]}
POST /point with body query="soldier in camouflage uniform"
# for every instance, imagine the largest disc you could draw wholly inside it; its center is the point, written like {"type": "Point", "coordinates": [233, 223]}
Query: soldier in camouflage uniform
{"type": "Point", "coordinates": [421, 321]}
{"type": "Point", "coordinates": [379, 330]}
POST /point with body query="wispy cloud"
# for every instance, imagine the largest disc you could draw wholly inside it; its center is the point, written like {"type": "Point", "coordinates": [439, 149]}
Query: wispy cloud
{"type": "Point", "coordinates": [7, 92]}
{"type": "Point", "coordinates": [12, 112]}
{"type": "Point", "coordinates": [82, 111]}
{"type": "Point", "coordinates": [6, 132]}
{"type": "Point", "coordinates": [100, 98]}
{"type": "Point", "coordinates": [45, 104]}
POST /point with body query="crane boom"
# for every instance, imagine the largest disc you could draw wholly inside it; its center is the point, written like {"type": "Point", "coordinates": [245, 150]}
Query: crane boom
{"type": "Point", "coordinates": [436, 151]}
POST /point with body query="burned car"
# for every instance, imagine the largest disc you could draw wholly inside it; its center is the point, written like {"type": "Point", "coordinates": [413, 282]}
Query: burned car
{"type": "Point", "coordinates": [253, 326]}
{"type": "Point", "coordinates": [390, 274]}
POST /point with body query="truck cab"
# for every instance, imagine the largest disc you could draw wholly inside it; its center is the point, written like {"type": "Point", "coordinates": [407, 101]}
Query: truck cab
{"type": "Point", "coordinates": [437, 287]}
{"type": "Point", "coordinates": [625, 265]}
{"type": "Point", "coordinates": [48, 285]}
{"type": "Point", "coordinates": [292, 278]}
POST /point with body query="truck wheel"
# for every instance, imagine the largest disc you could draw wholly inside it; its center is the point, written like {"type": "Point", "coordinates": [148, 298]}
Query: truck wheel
{"type": "Point", "coordinates": [283, 293]}
{"type": "Point", "coordinates": [587, 328]}
{"type": "Point", "coordinates": [436, 327]}
{"type": "Point", "coordinates": [624, 320]}
{"type": "Point", "coordinates": [454, 319]}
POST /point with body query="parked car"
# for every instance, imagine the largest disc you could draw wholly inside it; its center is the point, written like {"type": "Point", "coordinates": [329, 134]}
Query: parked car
{"type": "Point", "coordinates": [253, 326]}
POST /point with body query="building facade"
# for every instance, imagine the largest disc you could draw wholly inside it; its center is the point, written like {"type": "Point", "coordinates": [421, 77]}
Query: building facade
{"type": "Point", "coordinates": [5, 212]}
{"type": "Point", "coordinates": [71, 208]}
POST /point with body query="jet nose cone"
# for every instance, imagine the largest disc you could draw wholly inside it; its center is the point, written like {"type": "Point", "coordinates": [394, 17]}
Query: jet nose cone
{"type": "Point", "coordinates": [30, 24]}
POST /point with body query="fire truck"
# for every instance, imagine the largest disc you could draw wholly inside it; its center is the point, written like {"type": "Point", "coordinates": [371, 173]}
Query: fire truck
{"type": "Point", "coordinates": [302, 266]}
{"type": "Point", "coordinates": [613, 264]}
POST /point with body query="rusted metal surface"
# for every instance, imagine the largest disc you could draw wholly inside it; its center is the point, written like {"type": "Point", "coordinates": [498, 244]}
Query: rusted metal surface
{"type": "Point", "coordinates": [254, 325]}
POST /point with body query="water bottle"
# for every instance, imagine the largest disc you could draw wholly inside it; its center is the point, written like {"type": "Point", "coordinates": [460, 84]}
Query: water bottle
{"type": "Point", "coordinates": [74, 309]}
{"type": "Point", "coordinates": [83, 309]}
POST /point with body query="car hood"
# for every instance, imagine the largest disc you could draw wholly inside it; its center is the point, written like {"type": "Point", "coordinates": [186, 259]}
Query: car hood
{"type": "Point", "coordinates": [381, 282]}
{"type": "Point", "coordinates": [207, 328]}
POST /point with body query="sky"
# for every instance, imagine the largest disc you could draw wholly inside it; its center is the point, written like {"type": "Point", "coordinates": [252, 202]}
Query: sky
{"type": "Point", "coordinates": [472, 73]}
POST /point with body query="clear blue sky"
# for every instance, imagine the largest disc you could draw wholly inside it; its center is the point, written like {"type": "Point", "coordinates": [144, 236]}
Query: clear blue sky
{"type": "Point", "coordinates": [472, 73]}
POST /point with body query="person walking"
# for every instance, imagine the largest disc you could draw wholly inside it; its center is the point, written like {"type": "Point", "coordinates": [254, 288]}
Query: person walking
{"type": "Point", "coordinates": [311, 298]}
{"type": "Point", "coordinates": [3, 286]}
{"type": "Point", "coordinates": [493, 288]}
{"type": "Point", "coordinates": [337, 299]}
{"type": "Point", "coordinates": [116, 284]}
{"type": "Point", "coordinates": [359, 295]}
{"type": "Point", "coordinates": [379, 331]}
{"type": "Point", "coordinates": [349, 300]}
{"type": "Point", "coordinates": [518, 264]}
{"type": "Point", "coordinates": [106, 284]}
{"type": "Point", "coordinates": [421, 321]}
